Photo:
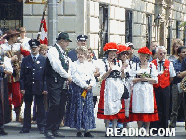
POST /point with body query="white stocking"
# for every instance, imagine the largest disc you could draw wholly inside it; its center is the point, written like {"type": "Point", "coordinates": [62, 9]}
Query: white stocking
{"type": "Point", "coordinates": [107, 124]}
{"type": "Point", "coordinates": [114, 124]}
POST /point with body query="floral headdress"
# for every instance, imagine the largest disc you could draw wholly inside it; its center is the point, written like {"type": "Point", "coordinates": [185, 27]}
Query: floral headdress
{"type": "Point", "coordinates": [122, 48]}
{"type": "Point", "coordinates": [110, 46]}
{"type": "Point", "coordinates": [145, 50]}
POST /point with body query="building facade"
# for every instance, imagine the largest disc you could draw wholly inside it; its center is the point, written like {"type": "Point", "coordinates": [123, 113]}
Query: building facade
{"type": "Point", "coordinates": [120, 21]}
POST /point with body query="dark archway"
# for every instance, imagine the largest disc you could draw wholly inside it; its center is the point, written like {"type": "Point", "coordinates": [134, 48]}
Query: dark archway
{"type": "Point", "coordinates": [11, 14]}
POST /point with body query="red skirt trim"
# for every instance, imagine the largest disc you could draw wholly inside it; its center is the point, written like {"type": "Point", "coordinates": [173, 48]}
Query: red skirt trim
{"type": "Point", "coordinates": [100, 113]}
{"type": "Point", "coordinates": [145, 117]}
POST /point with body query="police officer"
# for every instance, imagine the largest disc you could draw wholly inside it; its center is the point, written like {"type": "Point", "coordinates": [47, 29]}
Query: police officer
{"type": "Point", "coordinates": [58, 75]}
{"type": "Point", "coordinates": [81, 41]}
{"type": "Point", "coordinates": [33, 83]}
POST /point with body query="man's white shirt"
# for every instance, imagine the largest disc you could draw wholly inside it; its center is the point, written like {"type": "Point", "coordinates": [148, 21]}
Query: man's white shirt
{"type": "Point", "coordinates": [53, 56]}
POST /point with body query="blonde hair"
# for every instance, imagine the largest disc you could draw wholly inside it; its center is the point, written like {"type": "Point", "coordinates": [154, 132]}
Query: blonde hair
{"type": "Point", "coordinates": [90, 49]}
{"type": "Point", "coordinates": [175, 42]}
{"type": "Point", "coordinates": [43, 46]}
{"type": "Point", "coordinates": [83, 49]}
{"type": "Point", "coordinates": [22, 29]}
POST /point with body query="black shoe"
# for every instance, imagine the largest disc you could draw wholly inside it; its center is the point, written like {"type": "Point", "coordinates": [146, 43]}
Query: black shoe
{"type": "Point", "coordinates": [79, 134]}
{"type": "Point", "coordinates": [42, 130]}
{"type": "Point", "coordinates": [106, 135]}
{"type": "Point", "coordinates": [49, 135]}
{"type": "Point", "coordinates": [24, 131]}
{"type": "Point", "coordinates": [87, 134]}
{"type": "Point", "coordinates": [2, 133]}
{"type": "Point", "coordinates": [58, 134]}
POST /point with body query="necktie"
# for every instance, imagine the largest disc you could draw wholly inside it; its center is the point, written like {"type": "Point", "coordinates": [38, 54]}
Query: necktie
{"type": "Point", "coordinates": [34, 59]}
{"type": "Point", "coordinates": [160, 62]}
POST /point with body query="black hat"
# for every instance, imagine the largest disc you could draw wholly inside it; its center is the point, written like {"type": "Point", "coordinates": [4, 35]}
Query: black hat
{"type": "Point", "coordinates": [82, 37]}
{"type": "Point", "coordinates": [34, 43]}
{"type": "Point", "coordinates": [64, 36]}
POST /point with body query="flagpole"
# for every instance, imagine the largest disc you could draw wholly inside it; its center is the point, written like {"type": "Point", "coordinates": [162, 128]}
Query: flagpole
{"type": "Point", "coordinates": [41, 24]}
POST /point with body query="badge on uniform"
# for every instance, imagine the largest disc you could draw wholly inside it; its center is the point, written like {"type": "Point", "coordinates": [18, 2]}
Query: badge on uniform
{"type": "Point", "coordinates": [38, 62]}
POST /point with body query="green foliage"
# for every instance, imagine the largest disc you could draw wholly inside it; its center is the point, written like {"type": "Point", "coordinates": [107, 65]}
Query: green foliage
{"type": "Point", "coordinates": [183, 24]}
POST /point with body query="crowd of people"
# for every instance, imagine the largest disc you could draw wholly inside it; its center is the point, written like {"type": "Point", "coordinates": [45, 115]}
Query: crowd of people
{"type": "Point", "coordinates": [59, 83]}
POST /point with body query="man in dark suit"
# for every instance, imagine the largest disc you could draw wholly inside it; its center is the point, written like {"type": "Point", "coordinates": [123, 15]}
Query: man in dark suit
{"type": "Point", "coordinates": [58, 76]}
{"type": "Point", "coordinates": [33, 83]}
{"type": "Point", "coordinates": [81, 41]}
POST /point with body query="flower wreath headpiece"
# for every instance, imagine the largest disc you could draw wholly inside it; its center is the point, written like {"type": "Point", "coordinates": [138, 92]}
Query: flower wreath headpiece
{"type": "Point", "coordinates": [122, 48]}
{"type": "Point", "coordinates": [144, 50]}
{"type": "Point", "coordinates": [110, 46]}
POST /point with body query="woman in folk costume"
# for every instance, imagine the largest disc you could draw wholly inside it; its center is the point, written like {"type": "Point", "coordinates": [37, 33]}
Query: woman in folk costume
{"type": "Point", "coordinates": [112, 88]}
{"type": "Point", "coordinates": [80, 108]}
{"type": "Point", "coordinates": [143, 103]}
{"type": "Point", "coordinates": [123, 56]}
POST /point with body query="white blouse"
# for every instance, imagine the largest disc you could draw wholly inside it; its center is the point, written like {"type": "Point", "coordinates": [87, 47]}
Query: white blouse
{"type": "Point", "coordinates": [82, 72]}
{"type": "Point", "coordinates": [143, 97]}
{"type": "Point", "coordinates": [25, 43]}
{"type": "Point", "coordinates": [7, 47]}
{"type": "Point", "coordinates": [8, 64]}
{"type": "Point", "coordinates": [102, 67]}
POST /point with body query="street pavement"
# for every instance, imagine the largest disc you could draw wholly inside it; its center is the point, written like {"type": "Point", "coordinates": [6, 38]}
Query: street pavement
{"type": "Point", "coordinates": [13, 129]}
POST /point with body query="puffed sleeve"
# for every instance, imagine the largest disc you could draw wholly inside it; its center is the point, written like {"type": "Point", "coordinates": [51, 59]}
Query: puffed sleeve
{"type": "Point", "coordinates": [76, 78]}
{"type": "Point", "coordinates": [154, 72]}
{"type": "Point", "coordinates": [132, 71]}
{"type": "Point", "coordinates": [171, 70]}
{"type": "Point", "coordinates": [92, 79]}
{"type": "Point", "coordinates": [7, 62]}
{"type": "Point", "coordinates": [102, 69]}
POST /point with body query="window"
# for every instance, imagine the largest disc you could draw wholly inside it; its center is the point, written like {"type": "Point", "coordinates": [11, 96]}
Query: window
{"type": "Point", "coordinates": [184, 36]}
{"type": "Point", "coordinates": [169, 38]}
{"type": "Point", "coordinates": [177, 29]}
{"type": "Point", "coordinates": [128, 26]}
{"type": "Point", "coordinates": [103, 28]}
{"type": "Point", "coordinates": [11, 14]}
{"type": "Point", "coordinates": [148, 30]}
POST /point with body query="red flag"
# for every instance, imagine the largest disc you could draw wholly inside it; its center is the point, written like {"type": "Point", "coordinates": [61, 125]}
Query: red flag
{"type": "Point", "coordinates": [43, 36]}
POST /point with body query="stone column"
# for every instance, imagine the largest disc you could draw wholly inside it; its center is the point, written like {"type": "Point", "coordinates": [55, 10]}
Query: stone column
{"type": "Point", "coordinates": [81, 18]}
{"type": "Point", "coordinates": [52, 22]}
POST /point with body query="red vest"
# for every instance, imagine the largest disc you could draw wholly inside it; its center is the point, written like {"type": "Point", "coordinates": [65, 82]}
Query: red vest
{"type": "Point", "coordinates": [164, 78]}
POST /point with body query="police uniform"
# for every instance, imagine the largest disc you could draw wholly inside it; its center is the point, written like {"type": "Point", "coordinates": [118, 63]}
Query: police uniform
{"type": "Point", "coordinates": [72, 54]}
{"type": "Point", "coordinates": [33, 81]}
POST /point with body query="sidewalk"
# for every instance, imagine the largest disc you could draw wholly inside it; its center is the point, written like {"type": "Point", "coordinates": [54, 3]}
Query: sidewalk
{"type": "Point", "coordinates": [100, 126]}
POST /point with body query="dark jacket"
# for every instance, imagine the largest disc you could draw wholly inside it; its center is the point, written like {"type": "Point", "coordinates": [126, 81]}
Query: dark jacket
{"type": "Point", "coordinates": [33, 75]}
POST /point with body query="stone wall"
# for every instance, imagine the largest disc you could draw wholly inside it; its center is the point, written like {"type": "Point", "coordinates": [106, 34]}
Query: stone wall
{"type": "Point", "coordinates": [82, 17]}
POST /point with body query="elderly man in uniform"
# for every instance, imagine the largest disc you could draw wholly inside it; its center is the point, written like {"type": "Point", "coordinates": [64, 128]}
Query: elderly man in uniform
{"type": "Point", "coordinates": [33, 83]}
{"type": "Point", "coordinates": [14, 51]}
{"type": "Point", "coordinates": [58, 76]}
{"type": "Point", "coordinates": [81, 41]}
{"type": "Point", "coordinates": [166, 73]}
